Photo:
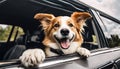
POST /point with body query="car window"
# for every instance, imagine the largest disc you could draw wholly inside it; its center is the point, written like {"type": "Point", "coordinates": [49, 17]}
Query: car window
{"type": "Point", "coordinates": [5, 31]}
{"type": "Point", "coordinates": [17, 32]}
{"type": "Point", "coordinates": [89, 36]}
{"type": "Point", "coordinates": [111, 31]}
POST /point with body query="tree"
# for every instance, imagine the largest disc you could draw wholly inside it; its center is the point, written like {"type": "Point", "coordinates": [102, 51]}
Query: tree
{"type": "Point", "coordinates": [4, 33]}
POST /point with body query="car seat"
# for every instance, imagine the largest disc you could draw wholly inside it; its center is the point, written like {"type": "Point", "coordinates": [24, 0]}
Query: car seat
{"type": "Point", "coordinates": [16, 51]}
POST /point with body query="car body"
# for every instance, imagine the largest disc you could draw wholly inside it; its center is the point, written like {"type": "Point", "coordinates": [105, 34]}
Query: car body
{"type": "Point", "coordinates": [101, 35]}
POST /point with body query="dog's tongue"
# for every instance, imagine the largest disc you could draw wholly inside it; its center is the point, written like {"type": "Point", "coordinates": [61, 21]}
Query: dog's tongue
{"type": "Point", "coordinates": [65, 44]}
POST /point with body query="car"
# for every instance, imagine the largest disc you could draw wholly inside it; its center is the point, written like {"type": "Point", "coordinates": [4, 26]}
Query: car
{"type": "Point", "coordinates": [20, 31]}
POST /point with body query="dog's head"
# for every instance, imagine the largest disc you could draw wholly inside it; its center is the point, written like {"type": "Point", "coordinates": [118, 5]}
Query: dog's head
{"type": "Point", "coordinates": [63, 30]}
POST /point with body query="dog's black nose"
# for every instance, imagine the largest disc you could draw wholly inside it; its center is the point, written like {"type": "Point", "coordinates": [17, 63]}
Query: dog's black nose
{"type": "Point", "coordinates": [64, 32]}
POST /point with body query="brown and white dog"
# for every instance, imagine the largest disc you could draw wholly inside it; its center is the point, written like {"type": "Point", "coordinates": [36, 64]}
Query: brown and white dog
{"type": "Point", "coordinates": [62, 36]}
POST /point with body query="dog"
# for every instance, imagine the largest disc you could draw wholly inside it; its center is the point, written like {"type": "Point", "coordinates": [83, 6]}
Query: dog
{"type": "Point", "coordinates": [62, 36]}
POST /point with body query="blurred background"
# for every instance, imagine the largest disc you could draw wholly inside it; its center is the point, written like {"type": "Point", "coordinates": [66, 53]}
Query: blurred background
{"type": "Point", "coordinates": [111, 7]}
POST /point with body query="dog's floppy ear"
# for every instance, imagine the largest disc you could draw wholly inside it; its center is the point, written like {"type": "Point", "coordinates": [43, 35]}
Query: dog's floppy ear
{"type": "Point", "coordinates": [45, 19]}
{"type": "Point", "coordinates": [80, 18]}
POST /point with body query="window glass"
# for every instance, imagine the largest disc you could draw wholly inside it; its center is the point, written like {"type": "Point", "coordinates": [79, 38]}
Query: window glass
{"type": "Point", "coordinates": [4, 32]}
{"type": "Point", "coordinates": [111, 30]}
{"type": "Point", "coordinates": [16, 33]}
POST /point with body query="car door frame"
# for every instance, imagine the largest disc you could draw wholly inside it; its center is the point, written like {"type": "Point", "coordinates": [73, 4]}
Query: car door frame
{"type": "Point", "coordinates": [5, 46]}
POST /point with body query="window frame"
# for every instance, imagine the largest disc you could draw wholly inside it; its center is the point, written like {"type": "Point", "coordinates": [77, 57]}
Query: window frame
{"type": "Point", "coordinates": [10, 34]}
{"type": "Point", "coordinates": [102, 42]}
{"type": "Point", "coordinates": [9, 39]}
{"type": "Point", "coordinates": [108, 17]}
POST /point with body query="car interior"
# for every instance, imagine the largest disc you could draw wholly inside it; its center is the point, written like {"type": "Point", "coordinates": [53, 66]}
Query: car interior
{"type": "Point", "coordinates": [33, 39]}
{"type": "Point", "coordinates": [33, 34]}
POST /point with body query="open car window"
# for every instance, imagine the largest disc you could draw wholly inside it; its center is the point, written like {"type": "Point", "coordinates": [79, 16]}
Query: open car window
{"type": "Point", "coordinates": [17, 32]}
{"type": "Point", "coordinates": [5, 31]}
{"type": "Point", "coordinates": [90, 39]}
{"type": "Point", "coordinates": [111, 30]}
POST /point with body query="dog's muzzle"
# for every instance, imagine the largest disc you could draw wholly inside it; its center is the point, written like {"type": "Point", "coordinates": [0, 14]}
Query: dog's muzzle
{"type": "Point", "coordinates": [64, 42]}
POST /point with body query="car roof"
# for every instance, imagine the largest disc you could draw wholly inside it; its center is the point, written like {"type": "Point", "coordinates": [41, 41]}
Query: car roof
{"type": "Point", "coordinates": [21, 12]}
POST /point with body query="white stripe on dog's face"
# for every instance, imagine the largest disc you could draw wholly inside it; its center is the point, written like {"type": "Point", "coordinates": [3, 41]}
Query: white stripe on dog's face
{"type": "Point", "coordinates": [64, 33]}
{"type": "Point", "coordinates": [63, 21]}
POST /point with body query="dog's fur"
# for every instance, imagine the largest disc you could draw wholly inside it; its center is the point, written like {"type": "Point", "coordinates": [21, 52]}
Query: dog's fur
{"type": "Point", "coordinates": [61, 33]}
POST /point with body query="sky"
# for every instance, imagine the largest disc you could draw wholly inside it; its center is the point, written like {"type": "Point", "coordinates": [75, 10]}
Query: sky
{"type": "Point", "coordinates": [3, 26]}
{"type": "Point", "coordinates": [111, 7]}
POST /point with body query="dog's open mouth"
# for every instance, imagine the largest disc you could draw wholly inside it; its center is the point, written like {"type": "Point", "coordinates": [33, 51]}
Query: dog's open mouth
{"type": "Point", "coordinates": [64, 42]}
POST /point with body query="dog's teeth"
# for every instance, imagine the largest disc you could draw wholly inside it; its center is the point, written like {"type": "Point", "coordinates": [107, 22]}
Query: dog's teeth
{"type": "Point", "coordinates": [67, 40]}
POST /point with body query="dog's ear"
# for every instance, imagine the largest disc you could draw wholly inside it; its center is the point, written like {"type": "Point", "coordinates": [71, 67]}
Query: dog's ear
{"type": "Point", "coordinates": [45, 19]}
{"type": "Point", "coordinates": [80, 17]}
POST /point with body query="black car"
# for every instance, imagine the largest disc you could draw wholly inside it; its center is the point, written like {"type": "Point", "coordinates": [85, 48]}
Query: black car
{"type": "Point", "coordinates": [19, 29]}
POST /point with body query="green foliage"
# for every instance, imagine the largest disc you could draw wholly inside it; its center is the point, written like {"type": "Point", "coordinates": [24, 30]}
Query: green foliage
{"type": "Point", "coordinates": [114, 41]}
{"type": "Point", "coordinates": [17, 29]}
{"type": "Point", "coordinates": [5, 32]}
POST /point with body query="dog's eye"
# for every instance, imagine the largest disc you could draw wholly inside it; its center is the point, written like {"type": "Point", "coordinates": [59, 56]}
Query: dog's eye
{"type": "Point", "coordinates": [56, 25]}
{"type": "Point", "coordinates": [71, 25]}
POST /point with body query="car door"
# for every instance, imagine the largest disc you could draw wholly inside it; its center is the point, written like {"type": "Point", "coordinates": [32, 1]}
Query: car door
{"type": "Point", "coordinates": [8, 34]}
{"type": "Point", "coordinates": [5, 35]}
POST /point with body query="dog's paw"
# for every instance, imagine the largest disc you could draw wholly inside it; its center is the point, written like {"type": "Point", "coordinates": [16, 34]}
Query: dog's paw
{"type": "Point", "coordinates": [83, 52]}
{"type": "Point", "coordinates": [32, 57]}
